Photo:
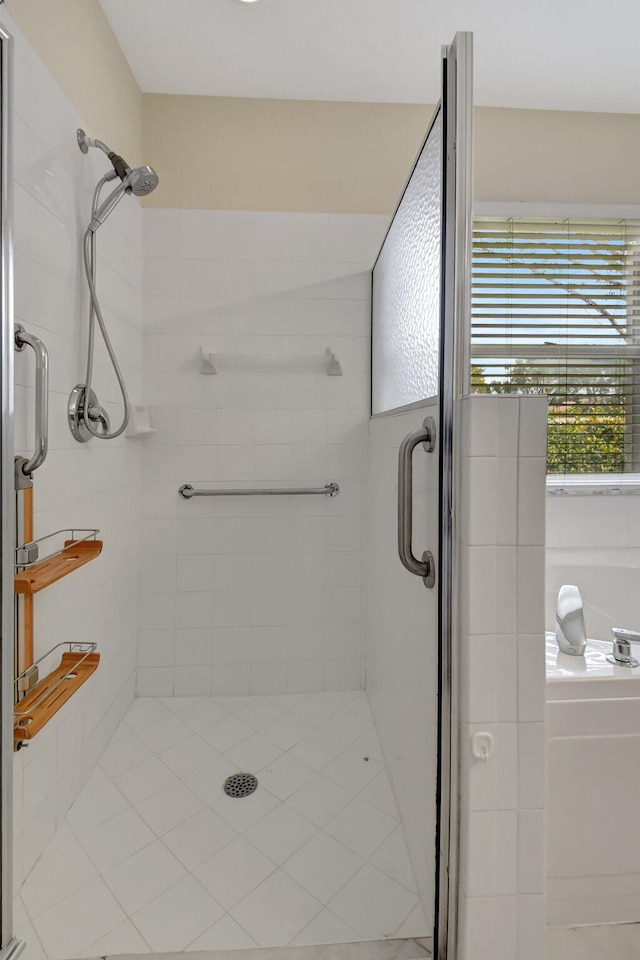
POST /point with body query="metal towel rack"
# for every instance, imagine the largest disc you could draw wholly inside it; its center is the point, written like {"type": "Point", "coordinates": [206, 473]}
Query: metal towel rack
{"type": "Point", "coordinates": [186, 491]}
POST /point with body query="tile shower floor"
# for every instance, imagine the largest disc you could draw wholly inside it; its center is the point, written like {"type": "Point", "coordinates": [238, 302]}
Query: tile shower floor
{"type": "Point", "coordinates": [154, 857]}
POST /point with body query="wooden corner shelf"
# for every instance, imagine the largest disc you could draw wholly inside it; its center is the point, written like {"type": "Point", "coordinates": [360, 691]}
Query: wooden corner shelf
{"type": "Point", "coordinates": [40, 575]}
{"type": "Point", "coordinates": [48, 696]}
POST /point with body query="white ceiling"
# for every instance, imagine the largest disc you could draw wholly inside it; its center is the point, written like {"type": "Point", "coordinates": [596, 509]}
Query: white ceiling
{"type": "Point", "coordinates": [547, 54]}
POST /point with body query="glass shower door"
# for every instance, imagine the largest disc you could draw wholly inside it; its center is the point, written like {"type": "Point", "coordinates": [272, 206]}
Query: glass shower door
{"type": "Point", "coordinates": [419, 324]}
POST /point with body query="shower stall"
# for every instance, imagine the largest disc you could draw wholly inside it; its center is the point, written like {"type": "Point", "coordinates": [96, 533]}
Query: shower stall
{"type": "Point", "coordinates": [281, 777]}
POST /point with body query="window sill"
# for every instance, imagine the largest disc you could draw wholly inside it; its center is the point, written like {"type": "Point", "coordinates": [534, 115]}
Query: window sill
{"type": "Point", "coordinates": [594, 485]}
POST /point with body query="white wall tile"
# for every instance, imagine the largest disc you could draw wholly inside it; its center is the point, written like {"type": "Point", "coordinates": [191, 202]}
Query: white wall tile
{"type": "Point", "coordinates": [503, 664]}
{"type": "Point", "coordinates": [95, 485]}
{"type": "Point", "coordinates": [265, 564]}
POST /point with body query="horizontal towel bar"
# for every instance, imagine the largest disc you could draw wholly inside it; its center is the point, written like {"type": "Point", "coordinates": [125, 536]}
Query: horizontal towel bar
{"type": "Point", "coordinates": [186, 491]}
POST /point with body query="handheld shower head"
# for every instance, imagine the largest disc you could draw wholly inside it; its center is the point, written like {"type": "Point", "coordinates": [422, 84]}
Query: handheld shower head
{"type": "Point", "coordinates": [142, 181]}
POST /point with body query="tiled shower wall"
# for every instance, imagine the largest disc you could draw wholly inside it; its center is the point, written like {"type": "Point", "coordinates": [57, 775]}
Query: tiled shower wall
{"type": "Point", "coordinates": [254, 594]}
{"type": "Point", "coordinates": [93, 485]}
{"type": "Point", "coordinates": [501, 535]}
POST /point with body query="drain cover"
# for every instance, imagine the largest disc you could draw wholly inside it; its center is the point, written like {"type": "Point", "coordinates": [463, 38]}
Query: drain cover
{"type": "Point", "coordinates": [240, 785]}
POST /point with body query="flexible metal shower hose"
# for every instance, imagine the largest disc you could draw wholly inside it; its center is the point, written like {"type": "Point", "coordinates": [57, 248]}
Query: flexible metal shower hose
{"type": "Point", "coordinates": [95, 313]}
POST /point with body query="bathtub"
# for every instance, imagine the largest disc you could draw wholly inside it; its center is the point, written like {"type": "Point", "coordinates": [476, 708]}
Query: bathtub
{"type": "Point", "coordinates": [593, 780]}
{"type": "Point", "coordinates": [609, 580]}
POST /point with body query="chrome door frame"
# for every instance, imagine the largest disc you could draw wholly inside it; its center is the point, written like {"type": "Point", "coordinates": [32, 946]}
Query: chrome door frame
{"type": "Point", "coordinates": [9, 946]}
{"type": "Point", "coordinates": [457, 103]}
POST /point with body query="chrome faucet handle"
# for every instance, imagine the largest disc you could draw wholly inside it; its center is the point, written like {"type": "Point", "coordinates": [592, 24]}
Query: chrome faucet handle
{"type": "Point", "coordinates": [622, 640]}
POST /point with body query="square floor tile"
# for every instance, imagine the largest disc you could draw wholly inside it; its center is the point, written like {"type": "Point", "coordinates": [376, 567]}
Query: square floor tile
{"type": "Point", "coordinates": [315, 710]}
{"type": "Point", "coordinates": [276, 911]}
{"type": "Point", "coordinates": [258, 713]}
{"type": "Point", "coordinates": [342, 697]}
{"type": "Point", "coordinates": [296, 852]}
{"type": "Point", "coordinates": [317, 750]}
{"type": "Point", "coordinates": [393, 859]}
{"type": "Point", "coordinates": [141, 878]}
{"type": "Point", "coordinates": [144, 779]}
{"type": "Point", "coordinates": [326, 928]}
{"type": "Point", "coordinates": [253, 754]}
{"type": "Point", "coordinates": [360, 705]}
{"type": "Point", "coordinates": [352, 771]}
{"type": "Point", "coordinates": [234, 872]}
{"type": "Point", "coordinates": [280, 833]}
{"type": "Point", "coordinates": [323, 866]}
{"type": "Point", "coordinates": [414, 926]}
{"type": "Point", "coordinates": [286, 701]}
{"type": "Point", "coordinates": [368, 745]}
{"type": "Point", "coordinates": [187, 756]}
{"type": "Point", "coordinates": [198, 838]}
{"type": "Point", "coordinates": [169, 807]}
{"type": "Point", "coordinates": [373, 904]}
{"type": "Point", "coordinates": [180, 705]}
{"type": "Point", "coordinates": [226, 733]}
{"type": "Point", "coordinates": [379, 793]}
{"type": "Point", "coordinates": [95, 805]}
{"type": "Point", "coordinates": [124, 754]}
{"type": "Point", "coordinates": [320, 800]}
{"type": "Point", "coordinates": [166, 734]}
{"type": "Point", "coordinates": [174, 919]}
{"type": "Point", "coordinates": [345, 727]}
{"type": "Point", "coordinates": [91, 912]}
{"type": "Point", "coordinates": [284, 776]}
{"type": "Point", "coordinates": [208, 781]}
{"type": "Point", "coordinates": [361, 827]}
{"type": "Point", "coordinates": [226, 934]}
{"type": "Point", "coordinates": [125, 939]}
{"type": "Point", "coordinates": [285, 731]}
{"type": "Point", "coordinates": [33, 950]}
{"type": "Point", "coordinates": [116, 839]}
{"type": "Point", "coordinates": [145, 711]}
{"type": "Point", "coordinates": [247, 811]}
{"type": "Point", "coordinates": [56, 876]}
{"type": "Point", "coordinates": [233, 704]}
{"type": "Point", "coordinates": [202, 712]}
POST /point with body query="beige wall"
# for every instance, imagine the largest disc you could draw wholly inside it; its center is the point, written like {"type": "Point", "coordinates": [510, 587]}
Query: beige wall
{"type": "Point", "coordinates": [354, 157]}
{"type": "Point", "coordinates": [239, 154]}
{"type": "Point", "coordinates": [75, 41]}
{"type": "Point", "coordinates": [302, 155]}
{"type": "Point", "coordinates": [548, 155]}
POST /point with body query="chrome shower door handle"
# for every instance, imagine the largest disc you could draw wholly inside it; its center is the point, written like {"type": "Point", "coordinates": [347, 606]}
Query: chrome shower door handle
{"type": "Point", "coordinates": [425, 567]}
{"type": "Point", "coordinates": [41, 442]}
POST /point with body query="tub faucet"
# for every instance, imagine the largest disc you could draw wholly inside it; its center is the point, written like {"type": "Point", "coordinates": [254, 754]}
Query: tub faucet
{"type": "Point", "coordinates": [570, 629]}
{"type": "Point", "coordinates": [622, 647]}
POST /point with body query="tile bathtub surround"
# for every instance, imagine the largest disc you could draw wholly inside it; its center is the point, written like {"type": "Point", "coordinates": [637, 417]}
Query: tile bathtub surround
{"type": "Point", "coordinates": [594, 542]}
{"type": "Point", "coordinates": [502, 529]}
{"type": "Point", "coordinates": [92, 485]}
{"type": "Point", "coordinates": [254, 595]}
{"type": "Point", "coordinates": [154, 856]}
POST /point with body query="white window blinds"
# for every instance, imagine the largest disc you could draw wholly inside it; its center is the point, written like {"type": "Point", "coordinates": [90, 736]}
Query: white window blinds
{"type": "Point", "coordinates": [556, 310]}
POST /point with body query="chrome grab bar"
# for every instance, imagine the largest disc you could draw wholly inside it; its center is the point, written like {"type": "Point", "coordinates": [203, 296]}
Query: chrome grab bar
{"type": "Point", "coordinates": [425, 567]}
{"type": "Point", "coordinates": [25, 466]}
{"type": "Point", "coordinates": [186, 491]}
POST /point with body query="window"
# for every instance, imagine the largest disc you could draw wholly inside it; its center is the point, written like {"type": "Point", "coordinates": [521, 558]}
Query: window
{"type": "Point", "coordinates": [556, 311]}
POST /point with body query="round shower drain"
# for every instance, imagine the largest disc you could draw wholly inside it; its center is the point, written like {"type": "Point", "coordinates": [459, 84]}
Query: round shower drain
{"type": "Point", "coordinates": [240, 785]}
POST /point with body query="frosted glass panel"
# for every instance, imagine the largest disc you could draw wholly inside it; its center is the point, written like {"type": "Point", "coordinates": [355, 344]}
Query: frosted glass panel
{"type": "Point", "coordinates": [406, 289]}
